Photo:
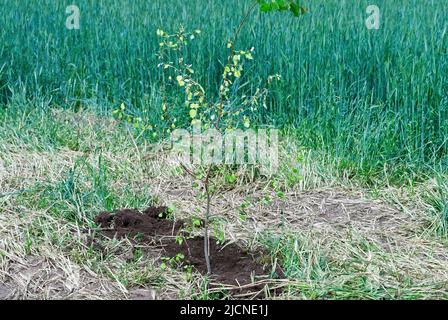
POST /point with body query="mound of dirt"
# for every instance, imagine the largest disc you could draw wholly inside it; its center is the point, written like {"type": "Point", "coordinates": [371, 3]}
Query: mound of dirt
{"type": "Point", "coordinates": [231, 265]}
{"type": "Point", "coordinates": [148, 224]}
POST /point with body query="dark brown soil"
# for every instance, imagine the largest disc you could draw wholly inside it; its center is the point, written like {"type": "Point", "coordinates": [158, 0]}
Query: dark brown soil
{"type": "Point", "coordinates": [127, 222]}
{"type": "Point", "coordinates": [231, 265]}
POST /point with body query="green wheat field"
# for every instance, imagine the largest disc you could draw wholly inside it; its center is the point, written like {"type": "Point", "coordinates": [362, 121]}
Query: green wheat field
{"type": "Point", "coordinates": [357, 210]}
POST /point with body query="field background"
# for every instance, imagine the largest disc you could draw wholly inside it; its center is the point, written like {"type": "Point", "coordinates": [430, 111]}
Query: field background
{"type": "Point", "coordinates": [358, 208]}
{"type": "Point", "coordinates": [370, 98]}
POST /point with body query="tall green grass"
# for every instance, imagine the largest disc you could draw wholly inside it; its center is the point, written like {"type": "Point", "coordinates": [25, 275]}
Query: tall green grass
{"type": "Point", "coordinates": [373, 98]}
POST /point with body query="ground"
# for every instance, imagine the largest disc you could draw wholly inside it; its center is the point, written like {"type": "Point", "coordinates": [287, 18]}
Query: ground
{"type": "Point", "coordinates": [332, 237]}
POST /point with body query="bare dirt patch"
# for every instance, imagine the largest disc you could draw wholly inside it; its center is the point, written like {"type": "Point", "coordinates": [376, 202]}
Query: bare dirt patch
{"type": "Point", "coordinates": [5, 292]}
{"type": "Point", "coordinates": [232, 266]}
{"type": "Point", "coordinates": [143, 294]}
{"type": "Point", "coordinates": [338, 210]}
{"type": "Point", "coordinates": [40, 278]}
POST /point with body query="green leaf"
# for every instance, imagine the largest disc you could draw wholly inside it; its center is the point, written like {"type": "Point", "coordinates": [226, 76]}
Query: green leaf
{"type": "Point", "coordinates": [231, 178]}
{"type": "Point", "coordinates": [282, 5]}
{"type": "Point", "coordinates": [193, 113]}
{"type": "Point", "coordinates": [275, 6]}
{"type": "Point", "coordinates": [295, 9]}
{"type": "Point", "coordinates": [265, 7]}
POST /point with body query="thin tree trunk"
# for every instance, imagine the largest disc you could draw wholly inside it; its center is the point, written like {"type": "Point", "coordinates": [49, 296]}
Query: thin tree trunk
{"type": "Point", "coordinates": [206, 235]}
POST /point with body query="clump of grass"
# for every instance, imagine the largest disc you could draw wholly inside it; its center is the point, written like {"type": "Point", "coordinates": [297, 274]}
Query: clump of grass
{"type": "Point", "coordinates": [84, 191]}
{"type": "Point", "coordinates": [436, 197]}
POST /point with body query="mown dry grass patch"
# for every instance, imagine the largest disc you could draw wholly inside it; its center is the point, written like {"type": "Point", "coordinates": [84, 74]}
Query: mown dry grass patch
{"type": "Point", "coordinates": [333, 239]}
